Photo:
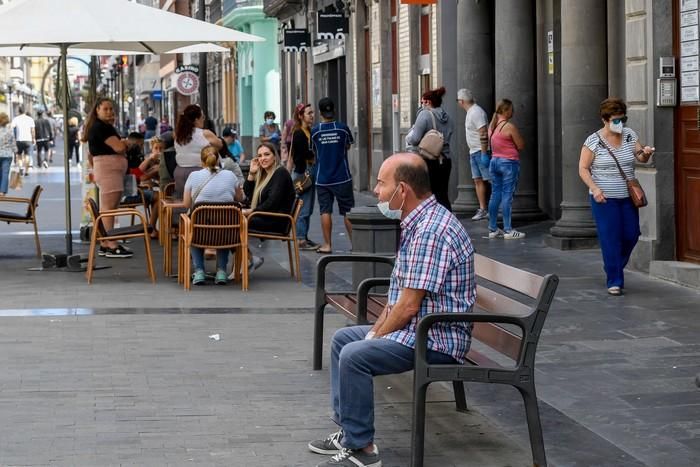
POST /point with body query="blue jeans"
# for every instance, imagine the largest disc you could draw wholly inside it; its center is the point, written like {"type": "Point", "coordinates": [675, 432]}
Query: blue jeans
{"type": "Point", "coordinates": [504, 182]}
{"type": "Point", "coordinates": [617, 222]}
{"type": "Point", "coordinates": [308, 197]}
{"type": "Point", "coordinates": [198, 258]}
{"type": "Point", "coordinates": [5, 163]}
{"type": "Point", "coordinates": [354, 362]}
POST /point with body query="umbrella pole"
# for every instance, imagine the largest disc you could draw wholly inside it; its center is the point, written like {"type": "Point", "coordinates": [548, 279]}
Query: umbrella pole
{"type": "Point", "coordinates": [66, 161]}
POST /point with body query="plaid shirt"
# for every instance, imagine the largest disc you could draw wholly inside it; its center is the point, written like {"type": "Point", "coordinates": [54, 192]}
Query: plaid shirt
{"type": "Point", "coordinates": [435, 255]}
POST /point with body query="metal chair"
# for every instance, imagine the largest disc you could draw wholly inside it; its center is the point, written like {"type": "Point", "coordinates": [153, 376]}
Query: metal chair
{"type": "Point", "coordinates": [215, 226]}
{"type": "Point", "coordinates": [290, 235]}
{"type": "Point", "coordinates": [100, 233]}
{"type": "Point", "coordinates": [27, 218]}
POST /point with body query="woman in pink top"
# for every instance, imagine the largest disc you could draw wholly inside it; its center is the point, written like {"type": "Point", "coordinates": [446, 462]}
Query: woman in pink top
{"type": "Point", "coordinates": [506, 144]}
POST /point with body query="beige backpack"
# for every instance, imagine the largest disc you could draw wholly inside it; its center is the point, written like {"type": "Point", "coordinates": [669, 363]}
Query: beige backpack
{"type": "Point", "coordinates": [431, 144]}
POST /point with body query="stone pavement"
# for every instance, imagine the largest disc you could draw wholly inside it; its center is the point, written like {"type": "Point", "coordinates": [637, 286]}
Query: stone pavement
{"type": "Point", "coordinates": [124, 372]}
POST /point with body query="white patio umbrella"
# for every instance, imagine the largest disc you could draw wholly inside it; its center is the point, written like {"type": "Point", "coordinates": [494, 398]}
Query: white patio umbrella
{"type": "Point", "coordinates": [102, 25]}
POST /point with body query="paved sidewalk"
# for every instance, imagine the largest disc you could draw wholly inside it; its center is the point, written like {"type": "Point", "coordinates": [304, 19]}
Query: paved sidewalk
{"type": "Point", "coordinates": [124, 372]}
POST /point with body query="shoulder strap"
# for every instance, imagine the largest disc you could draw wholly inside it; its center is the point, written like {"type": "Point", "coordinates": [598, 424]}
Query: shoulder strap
{"type": "Point", "coordinates": [601, 142]}
{"type": "Point", "coordinates": [201, 187]}
{"type": "Point", "coordinates": [432, 116]}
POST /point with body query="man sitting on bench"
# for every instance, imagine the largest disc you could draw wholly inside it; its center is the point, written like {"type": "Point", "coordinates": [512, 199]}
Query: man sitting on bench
{"type": "Point", "coordinates": [433, 273]}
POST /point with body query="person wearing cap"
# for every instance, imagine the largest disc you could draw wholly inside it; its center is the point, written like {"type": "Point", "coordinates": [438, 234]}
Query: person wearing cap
{"type": "Point", "coordinates": [234, 145]}
{"type": "Point", "coordinates": [477, 135]}
{"type": "Point", "coordinates": [331, 140]}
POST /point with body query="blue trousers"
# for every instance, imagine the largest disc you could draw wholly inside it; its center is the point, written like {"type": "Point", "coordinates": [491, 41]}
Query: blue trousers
{"type": "Point", "coordinates": [5, 163]}
{"type": "Point", "coordinates": [198, 258]}
{"type": "Point", "coordinates": [354, 362]}
{"type": "Point", "coordinates": [504, 181]}
{"type": "Point", "coordinates": [617, 222]}
{"type": "Point", "coordinates": [308, 197]}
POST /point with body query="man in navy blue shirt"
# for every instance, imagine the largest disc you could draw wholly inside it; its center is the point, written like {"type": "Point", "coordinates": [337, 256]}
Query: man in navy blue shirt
{"type": "Point", "coordinates": [330, 141]}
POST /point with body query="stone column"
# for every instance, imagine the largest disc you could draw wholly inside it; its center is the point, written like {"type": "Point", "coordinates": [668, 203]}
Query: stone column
{"type": "Point", "coordinates": [474, 72]}
{"type": "Point", "coordinates": [584, 84]}
{"type": "Point", "coordinates": [516, 80]}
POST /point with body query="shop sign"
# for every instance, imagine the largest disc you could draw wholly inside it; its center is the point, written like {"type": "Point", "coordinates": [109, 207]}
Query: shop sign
{"type": "Point", "coordinates": [332, 26]}
{"type": "Point", "coordinates": [187, 81]}
{"type": "Point", "coordinates": [297, 40]}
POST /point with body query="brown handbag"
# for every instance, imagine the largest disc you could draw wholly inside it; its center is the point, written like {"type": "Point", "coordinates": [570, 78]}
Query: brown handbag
{"type": "Point", "coordinates": [637, 195]}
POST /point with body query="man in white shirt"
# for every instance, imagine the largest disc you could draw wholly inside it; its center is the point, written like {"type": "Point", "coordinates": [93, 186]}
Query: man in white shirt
{"type": "Point", "coordinates": [25, 135]}
{"type": "Point", "coordinates": [475, 125]}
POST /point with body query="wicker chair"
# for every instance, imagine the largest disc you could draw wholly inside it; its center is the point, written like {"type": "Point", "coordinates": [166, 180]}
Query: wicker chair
{"type": "Point", "coordinates": [134, 231]}
{"type": "Point", "coordinates": [215, 226]}
{"type": "Point", "coordinates": [28, 218]}
{"type": "Point", "coordinates": [140, 202]}
{"type": "Point", "coordinates": [290, 236]}
{"type": "Point", "coordinates": [166, 194]}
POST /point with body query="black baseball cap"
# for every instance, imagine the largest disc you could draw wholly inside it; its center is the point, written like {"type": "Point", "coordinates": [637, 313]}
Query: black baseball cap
{"type": "Point", "coordinates": [228, 131]}
{"type": "Point", "coordinates": [326, 107]}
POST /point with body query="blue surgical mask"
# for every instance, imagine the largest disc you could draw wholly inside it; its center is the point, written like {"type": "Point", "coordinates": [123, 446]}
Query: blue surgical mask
{"type": "Point", "coordinates": [270, 121]}
{"type": "Point", "coordinates": [386, 211]}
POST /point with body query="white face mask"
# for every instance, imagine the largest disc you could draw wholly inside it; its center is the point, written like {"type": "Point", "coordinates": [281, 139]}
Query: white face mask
{"type": "Point", "coordinates": [389, 213]}
{"type": "Point", "coordinates": [616, 127]}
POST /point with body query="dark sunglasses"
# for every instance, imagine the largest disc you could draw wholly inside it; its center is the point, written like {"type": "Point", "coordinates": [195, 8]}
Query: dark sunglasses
{"type": "Point", "coordinates": [617, 121]}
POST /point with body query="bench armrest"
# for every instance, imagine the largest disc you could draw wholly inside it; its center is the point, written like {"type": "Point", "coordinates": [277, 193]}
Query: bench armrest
{"type": "Point", "coordinates": [324, 261]}
{"type": "Point", "coordinates": [363, 295]}
{"type": "Point", "coordinates": [428, 321]}
{"type": "Point", "coordinates": [12, 199]}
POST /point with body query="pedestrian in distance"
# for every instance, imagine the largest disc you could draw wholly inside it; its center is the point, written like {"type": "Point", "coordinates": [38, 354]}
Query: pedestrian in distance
{"type": "Point", "coordinates": [477, 136]}
{"type": "Point", "coordinates": [44, 137]}
{"type": "Point", "coordinates": [301, 165]}
{"type": "Point", "coordinates": [506, 144]}
{"type": "Point", "coordinates": [55, 131]}
{"type": "Point", "coordinates": [286, 143]}
{"type": "Point", "coordinates": [434, 273]}
{"type": "Point", "coordinates": [25, 135]}
{"type": "Point", "coordinates": [616, 217]}
{"type": "Point", "coordinates": [150, 125]}
{"type": "Point", "coordinates": [73, 141]}
{"type": "Point", "coordinates": [331, 140]}
{"type": "Point", "coordinates": [107, 156]}
{"type": "Point", "coordinates": [7, 152]}
{"type": "Point", "coordinates": [432, 116]}
{"type": "Point", "coordinates": [270, 131]}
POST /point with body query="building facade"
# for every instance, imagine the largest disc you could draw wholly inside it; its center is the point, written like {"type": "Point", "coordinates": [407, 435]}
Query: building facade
{"type": "Point", "coordinates": [556, 60]}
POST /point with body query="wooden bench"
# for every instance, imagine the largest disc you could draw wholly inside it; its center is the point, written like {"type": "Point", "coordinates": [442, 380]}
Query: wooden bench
{"type": "Point", "coordinates": [508, 316]}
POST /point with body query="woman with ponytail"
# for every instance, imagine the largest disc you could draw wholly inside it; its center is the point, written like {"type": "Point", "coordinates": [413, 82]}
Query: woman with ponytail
{"type": "Point", "coordinates": [214, 185]}
{"type": "Point", "coordinates": [190, 139]}
{"type": "Point", "coordinates": [431, 116]}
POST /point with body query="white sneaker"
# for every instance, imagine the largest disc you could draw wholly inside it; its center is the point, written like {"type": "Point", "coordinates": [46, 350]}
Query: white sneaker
{"type": "Point", "coordinates": [496, 233]}
{"type": "Point", "coordinates": [513, 235]}
{"type": "Point", "coordinates": [480, 214]}
{"type": "Point", "coordinates": [45, 165]}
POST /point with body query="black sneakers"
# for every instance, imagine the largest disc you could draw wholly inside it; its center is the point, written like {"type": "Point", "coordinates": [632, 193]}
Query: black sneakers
{"type": "Point", "coordinates": [118, 252]}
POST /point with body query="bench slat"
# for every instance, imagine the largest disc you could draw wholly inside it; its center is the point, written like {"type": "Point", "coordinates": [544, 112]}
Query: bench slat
{"type": "Point", "coordinates": [508, 276]}
{"type": "Point", "coordinates": [490, 301]}
{"type": "Point", "coordinates": [498, 338]}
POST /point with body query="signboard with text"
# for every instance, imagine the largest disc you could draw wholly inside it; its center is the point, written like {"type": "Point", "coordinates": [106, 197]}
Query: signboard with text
{"type": "Point", "coordinates": [187, 81]}
{"type": "Point", "coordinates": [297, 40]}
{"type": "Point", "coordinates": [332, 26]}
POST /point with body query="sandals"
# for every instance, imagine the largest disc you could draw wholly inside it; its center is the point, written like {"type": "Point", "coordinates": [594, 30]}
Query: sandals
{"type": "Point", "coordinates": [324, 252]}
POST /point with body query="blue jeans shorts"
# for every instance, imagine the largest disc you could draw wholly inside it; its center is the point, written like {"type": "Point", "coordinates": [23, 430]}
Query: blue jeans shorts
{"type": "Point", "coordinates": [341, 192]}
{"type": "Point", "coordinates": [479, 169]}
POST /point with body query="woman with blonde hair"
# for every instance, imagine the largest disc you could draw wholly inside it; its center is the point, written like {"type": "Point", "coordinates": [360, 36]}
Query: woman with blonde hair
{"type": "Point", "coordinates": [7, 152]}
{"type": "Point", "coordinates": [506, 144]}
{"type": "Point", "coordinates": [214, 185]}
{"type": "Point", "coordinates": [269, 188]}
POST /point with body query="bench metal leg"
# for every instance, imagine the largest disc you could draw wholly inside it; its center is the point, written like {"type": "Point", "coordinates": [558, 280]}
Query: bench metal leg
{"type": "Point", "coordinates": [318, 335]}
{"type": "Point", "coordinates": [534, 426]}
{"type": "Point", "coordinates": [460, 396]}
{"type": "Point", "coordinates": [418, 435]}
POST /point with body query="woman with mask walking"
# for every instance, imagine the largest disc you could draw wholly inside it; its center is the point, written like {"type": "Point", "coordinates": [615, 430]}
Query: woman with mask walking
{"type": "Point", "coordinates": [616, 217]}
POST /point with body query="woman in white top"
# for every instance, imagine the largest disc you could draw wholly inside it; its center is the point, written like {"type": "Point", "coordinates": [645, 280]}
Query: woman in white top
{"type": "Point", "coordinates": [616, 218]}
{"type": "Point", "coordinates": [190, 139]}
{"type": "Point", "coordinates": [211, 184]}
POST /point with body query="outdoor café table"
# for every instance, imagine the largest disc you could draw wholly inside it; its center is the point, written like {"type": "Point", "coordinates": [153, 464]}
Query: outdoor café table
{"type": "Point", "coordinates": [168, 206]}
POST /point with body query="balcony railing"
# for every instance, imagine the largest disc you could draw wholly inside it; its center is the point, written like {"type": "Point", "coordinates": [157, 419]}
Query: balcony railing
{"type": "Point", "coordinates": [230, 5]}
